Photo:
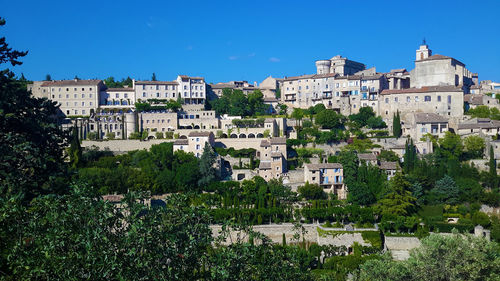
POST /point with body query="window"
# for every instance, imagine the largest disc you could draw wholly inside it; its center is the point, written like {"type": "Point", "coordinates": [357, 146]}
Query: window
{"type": "Point", "coordinates": [396, 99]}
{"type": "Point", "coordinates": [83, 111]}
{"type": "Point", "coordinates": [83, 103]}
{"type": "Point", "coordinates": [125, 95]}
{"type": "Point", "coordinates": [416, 98]}
{"type": "Point", "coordinates": [197, 146]}
{"type": "Point", "coordinates": [386, 100]}
{"type": "Point", "coordinates": [157, 95]}
{"type": "Point", "coordinates": [197, 139]}
{"type": "Point", "coordinates": [439, 98]}
{"type": "Point", "coordinates": [407, 99]}
{"type": "Point", "coordinates": [90, 103]}
{"type": "Point", "coordinates": [76, 111]}
{"type": "Point", "coordinates": [90, 95]}
{"type": "Point", "coordinates": [185, 87]}
{"type": "Point", "coordinates": [76, 96]}
{"type": "Point", "coordinates": [143, 95]}
{"type": "Point", "coordinates": [83, 96]}
{"type": "Point", "coordinates": [67, 96]}
{"type": "Point", "coordinates": [427, 98]}
{"type": "Point", "coordinates": [117, 96]}
{"type": "Point", "coordinates": [449, 99]}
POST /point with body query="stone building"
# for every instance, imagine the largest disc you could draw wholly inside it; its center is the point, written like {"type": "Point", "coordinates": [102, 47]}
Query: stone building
{"type": "Point", "coordinates": [159, 90]}
{"type": "Point", "coordinates": [330, 176]}
{"type": "Point", "coordinates": [390, 168]}
{"type": "Point", "coordinates": [195, 143]}
{"type": "Point", "coordinates": [421, 124]}
{"type": "Point", "coordinates": [338, 65]}
{"type": "Point", "coordinates": [75, 97]}
{"type": "Point", "coordinates": [272, 154]}
{"type": "Point", "coordinates": [270, 86]}
{"type": "Point", "coordinates": [474, 100]}
{"type": "Point", "coordinates": [244, 86]}
{"type": "Point", "coordinates": [439, 70]}
{"type": "Point", "coordinates": [117, 98]}
{"type": "Point", "coordinates": [479, 126]}
{"type": "Point", "coordinates": [447, 101]}
{"type": "Point", "coordinates": [368, 158]}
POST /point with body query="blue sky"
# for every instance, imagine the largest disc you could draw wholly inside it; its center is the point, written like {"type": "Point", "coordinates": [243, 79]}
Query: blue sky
{"type": "Point", "coordinates": [243, 40]}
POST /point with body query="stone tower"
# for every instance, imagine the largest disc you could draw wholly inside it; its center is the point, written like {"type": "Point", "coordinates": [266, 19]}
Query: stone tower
{"type": "Point", "coordinates": [130, 123]}
{"type": "Point", "coordinates": [423, 52]}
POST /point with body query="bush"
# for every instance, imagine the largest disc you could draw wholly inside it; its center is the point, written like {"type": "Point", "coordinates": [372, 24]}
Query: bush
{"type": "Point", "coordinates": [159, 135]}
{"type": "Point", "coordinates": [312, 191]}
{"type": "Point", "coordinates": [169, 135]}
{"type": "Point", "coordinates": [110, 135]}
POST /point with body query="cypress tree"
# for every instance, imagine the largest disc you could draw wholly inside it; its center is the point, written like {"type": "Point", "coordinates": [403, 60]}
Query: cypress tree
{"type": "Point", "coordinates": [75, 150]}
{"type": "Point", "coordinates": [284, 240]}
{"type": "Point", "coordinates": [396, 125]}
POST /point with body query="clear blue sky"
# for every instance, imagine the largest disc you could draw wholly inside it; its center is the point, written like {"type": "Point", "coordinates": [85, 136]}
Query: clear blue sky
{"type": "Point", "coordinates": [243, 40]}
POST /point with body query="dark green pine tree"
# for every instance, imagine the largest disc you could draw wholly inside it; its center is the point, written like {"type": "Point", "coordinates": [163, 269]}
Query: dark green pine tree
{"type": "Point", "coordinates": [396, 125]}
{"type": "Point", "coordinates": [410, 156]}
{"type": "Point", "coordinates": [207, 171]}
{"type": "Point", "coordinates": [153, 77]}
{"type": "Point", "coordinates": [75, 149]}
{"type": "Point", "coordinates": [493, 169]}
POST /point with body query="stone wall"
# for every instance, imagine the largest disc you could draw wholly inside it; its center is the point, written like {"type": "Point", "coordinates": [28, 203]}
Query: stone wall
{"type": "Point", "coordinates": [400, 246]}
{"type": "Point", "coordinates": [238, 143]}
{"type": "Point", "coordinates": [124, 145]}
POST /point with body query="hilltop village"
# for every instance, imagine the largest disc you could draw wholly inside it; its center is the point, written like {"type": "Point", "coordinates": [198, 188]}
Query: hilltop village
{"type": "Point", "coordinates": [289, 127]}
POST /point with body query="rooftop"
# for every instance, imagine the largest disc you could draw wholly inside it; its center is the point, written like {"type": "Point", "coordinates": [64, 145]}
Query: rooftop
{"type": "Point", "coordinates": [278, 141]}
{"type": "Point", "coordinates": [314, 167]}
{"type": "Point", "coordinates": [429, 118]}
{"type": "Point", "coordinates": [156, 82]}
{"type": "Point", "coordinates": [388, 165]}
{"type": "Point", "coordinates": [74, 82]}
{"type": "Point", "coordinates": [367, 156]}
{"type": "Point", "coordinates": [423, 90]}
{"type": "Point", "coordinates": [264, 165]}
{"type": "Point", "coordinates": [200, 134]}
{"type": "Point", "coordinates": [181, 142]}
{"type": "Point", "coordinates": [129, 89]}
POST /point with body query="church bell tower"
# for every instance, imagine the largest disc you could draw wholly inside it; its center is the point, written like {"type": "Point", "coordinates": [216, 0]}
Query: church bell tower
{"type": "Point", "coordinates": [423, 52]}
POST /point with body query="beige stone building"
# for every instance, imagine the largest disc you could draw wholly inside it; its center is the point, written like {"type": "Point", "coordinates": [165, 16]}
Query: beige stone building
{"type": "Point", "coordinates": [439, 70]}
{"type": "Point", "coordinates": [244, 86]}
{"type": "Point", "coordinates": [195, 143]}
{"type": "Point", "coordinates": [270, 86]}
{"type": "Point", "coordinates": [198, 119]}
{"type": "Point", "coordinates": [474, 100]}
{"type": "Point", "coordinates": [159, 90]}
{"type": "Point", "coordinates": [330, 176]}
{"type": "Point", "coordinates": [75, 97]}
{"type": "Point", "coordinates": [117, 98]}
{"type": "Point", "coordinates": [421, 124]}
{"type": "Point", "coordinates": [390, 168]}
{"type": "Point", "coordinates": [447, 101]}
{"type": "Point", "coordinates": [273, 156]}
{"type": "Point", "coordinates": [368, 158]}
{"type": "Point", "coordinates": [479, 126]}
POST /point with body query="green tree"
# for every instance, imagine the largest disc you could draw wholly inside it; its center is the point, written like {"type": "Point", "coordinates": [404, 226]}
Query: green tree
{"type": "Point", "coordinates": [396, 125]}
{"type": "Point", "coordinates": [410, 156]}
{"type": "Point", "coordinates": [298, 114]}
{"type": "Point", "coordinates": [451, 145]}
{"type": "Point", "coordinates": [207, 170]}
{"type": "Point", "coordinates": [388, 155]}
{"type": "Point", "coordinates": [399, 201]}
{"type": "Point", "coordinates": [75, 149]}
{"type": "Point", "coordinates": [311, 191]}
{"type": "Point", "coordinates": [31, 143]}
{"type": "Point", "coordinates": [362, 117]}
{"type": "Point", "coordinates": [451, 257]}
{"type": "Point", "coordinates": [445, 191]}
{"type": "Point", "coordinates": [474, 145]}
{"type": "Point", "coordinates": [126, 243]}
{"type": "Point", "coordinates": [153, 77]}
{"type": "Point", "coordinates": [329, 119]}
{"type": "Point", "coordinates": [48, 77]}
